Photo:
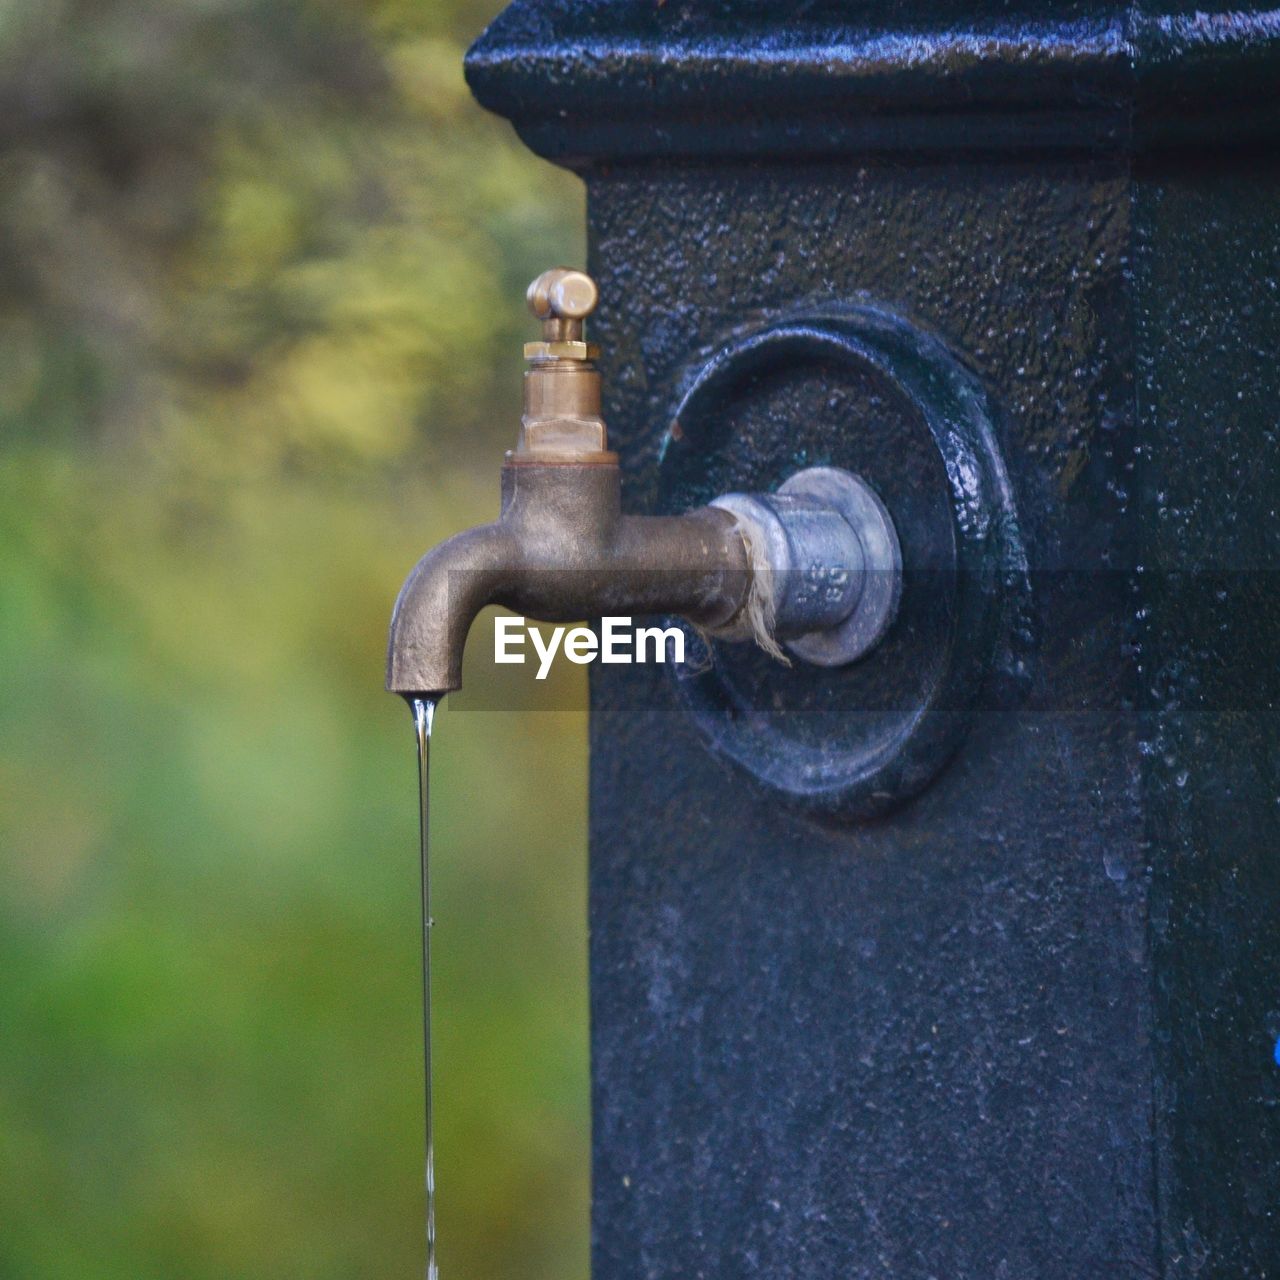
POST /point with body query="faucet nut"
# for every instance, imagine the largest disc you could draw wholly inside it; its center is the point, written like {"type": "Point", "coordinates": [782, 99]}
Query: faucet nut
{"type": "Point", "coordinates": [561, 351]}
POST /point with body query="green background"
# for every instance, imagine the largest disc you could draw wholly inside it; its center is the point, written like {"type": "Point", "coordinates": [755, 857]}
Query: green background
{"type": "Point", "coordinates": [261, 307]}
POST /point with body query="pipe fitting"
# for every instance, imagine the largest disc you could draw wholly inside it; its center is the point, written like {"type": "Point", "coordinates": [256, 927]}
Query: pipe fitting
{"type": "Point", "coordinates": [826, 564]}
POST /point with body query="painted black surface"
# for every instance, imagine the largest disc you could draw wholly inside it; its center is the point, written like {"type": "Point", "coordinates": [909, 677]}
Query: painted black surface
{"type": "Point", "coordinates": [588, 80]}
{"type": "Point", "coordinates": [1207, 312]}
{"type": "Point", "coordinates": [921, 1046]}
{"type": "Point", "coordinates": [867, 391]}
{"type": "Point", "coordinates": [1024, 1025]}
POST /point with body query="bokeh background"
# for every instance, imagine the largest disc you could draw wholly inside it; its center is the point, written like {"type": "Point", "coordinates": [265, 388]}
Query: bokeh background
{"type": "Point", "coordinates": [261, 276]}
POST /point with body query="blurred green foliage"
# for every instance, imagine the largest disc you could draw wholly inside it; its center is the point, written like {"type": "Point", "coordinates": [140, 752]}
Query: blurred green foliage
{"type": "Point", "coordinates": [260, 316]}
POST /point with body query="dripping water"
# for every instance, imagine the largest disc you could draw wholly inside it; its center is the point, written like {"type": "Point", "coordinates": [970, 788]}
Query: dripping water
{"type": "Point", "coordinates": [424, 710]}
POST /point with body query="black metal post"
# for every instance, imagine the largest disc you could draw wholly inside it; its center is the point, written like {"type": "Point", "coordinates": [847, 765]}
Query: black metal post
{"type": "Point", "coordinates": [964, 961]}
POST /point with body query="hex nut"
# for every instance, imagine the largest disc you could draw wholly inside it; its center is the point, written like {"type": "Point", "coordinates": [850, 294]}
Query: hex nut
{"type": "Point", "coordinates": [561, 351]}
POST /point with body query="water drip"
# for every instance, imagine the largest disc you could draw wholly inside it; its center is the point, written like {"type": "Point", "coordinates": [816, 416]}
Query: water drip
{"type": "Point", "coordinates": [424, 710]}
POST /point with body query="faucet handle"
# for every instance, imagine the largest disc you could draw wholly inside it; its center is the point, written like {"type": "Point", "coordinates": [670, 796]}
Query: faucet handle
{"type": "Point", "coordinates": [562, 298]}
{"type": "Point", "coordinates": [563, 294]}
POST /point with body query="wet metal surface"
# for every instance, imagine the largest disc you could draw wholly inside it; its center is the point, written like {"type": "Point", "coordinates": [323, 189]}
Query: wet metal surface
{"type": "Point", "coordinates": [918, 1047]}
{"type": "Point", "coordinates": [1025, 1024]}
{"type": "Point", "coordinates": [643, 78]}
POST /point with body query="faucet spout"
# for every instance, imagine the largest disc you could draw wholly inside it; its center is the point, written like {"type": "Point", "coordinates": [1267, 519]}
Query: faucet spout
{"type": "Point", "coordinates": [561, 551]}
{"type": "Point", "coordinates": [439, 601]}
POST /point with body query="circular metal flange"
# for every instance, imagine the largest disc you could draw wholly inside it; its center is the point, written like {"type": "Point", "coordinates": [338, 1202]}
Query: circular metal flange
{"type": "Point", "coordinates": [863, 391]}
{"type": "Point", "coordinates": [867, 516]}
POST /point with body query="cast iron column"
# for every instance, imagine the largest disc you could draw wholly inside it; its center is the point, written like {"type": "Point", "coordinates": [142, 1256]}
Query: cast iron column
{"type": "Point", "coordinates": [964, 961]}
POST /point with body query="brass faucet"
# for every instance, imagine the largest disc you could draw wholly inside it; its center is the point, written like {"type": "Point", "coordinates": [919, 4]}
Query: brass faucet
{"type": "Point", "coordinates": [815, 567]}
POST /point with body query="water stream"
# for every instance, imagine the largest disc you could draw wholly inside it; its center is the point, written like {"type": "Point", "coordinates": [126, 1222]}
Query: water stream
{"type": "Point", "coordinates": [424, 710]}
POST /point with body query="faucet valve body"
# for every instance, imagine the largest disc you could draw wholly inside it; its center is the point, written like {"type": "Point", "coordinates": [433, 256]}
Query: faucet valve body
{"type": "Point", "coordinates": [561, 420]}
